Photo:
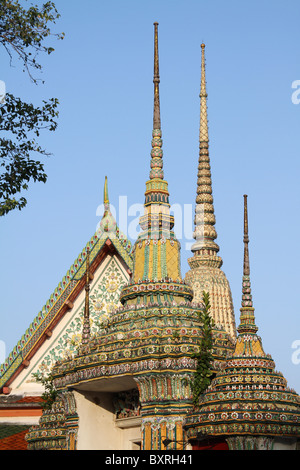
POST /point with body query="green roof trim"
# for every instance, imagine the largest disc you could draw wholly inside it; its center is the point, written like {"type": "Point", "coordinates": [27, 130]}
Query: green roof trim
{"type": "Point", "coordinates": [60, 295]}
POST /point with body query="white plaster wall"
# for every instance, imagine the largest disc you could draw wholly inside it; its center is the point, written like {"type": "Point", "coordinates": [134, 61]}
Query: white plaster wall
{"type": "Point", "coordinates": [28, 420]}
{"type": "Point", "coordinates": [130, 437]}
{"type": "Point", "coordinates": [284, 444]}
{"type": "Point", "coordinates": [97, 430]}
{"type": "Point", "coordinates": [97, 427]}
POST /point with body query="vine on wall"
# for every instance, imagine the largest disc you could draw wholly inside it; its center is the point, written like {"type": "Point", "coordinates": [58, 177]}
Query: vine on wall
{"type": "Point", "coordinates": [50, 393]}
{"type": "Point", "coordinates": [204, 372]}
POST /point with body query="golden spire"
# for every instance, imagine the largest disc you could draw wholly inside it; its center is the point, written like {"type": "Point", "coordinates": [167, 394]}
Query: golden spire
{"type": "Point", "coordinates": [105, 197]}
{"type": "Point", "coordinates": [108, 224]}
{"type": "Point", "coordinates": [86, 317]}
{"type": "Point", "coordinates": [203, 134]}
{"type": "Point", "coordinates": [205, 273]}
{"type": "Point", "coordinates": [205, 232]}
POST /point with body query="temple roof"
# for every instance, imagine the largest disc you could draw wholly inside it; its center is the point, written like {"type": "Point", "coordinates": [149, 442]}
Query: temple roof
{"type": "Point", "coordinates": [107, 238]}
{"type": "Point", "coordinates": [12, 437]}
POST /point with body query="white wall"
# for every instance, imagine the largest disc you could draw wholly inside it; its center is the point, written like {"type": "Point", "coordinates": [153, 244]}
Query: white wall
{"type": "Point", "coordinates": [284, 444]}
{"type": "Point", "coordinates": [97, 427]}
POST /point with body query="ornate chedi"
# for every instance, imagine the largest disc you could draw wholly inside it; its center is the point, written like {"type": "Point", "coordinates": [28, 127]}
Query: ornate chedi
{"type": "Point", "coordinates": [248, 402]}
{"type": "Point", "coordinates": [57, 427]}
{"type": "Point", "coordinates": [147, 344]}
{"type": "Point", "coordinates": [205, 273]}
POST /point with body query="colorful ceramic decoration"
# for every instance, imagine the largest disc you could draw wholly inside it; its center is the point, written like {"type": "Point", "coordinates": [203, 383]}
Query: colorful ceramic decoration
{"type": "Point", "coordinates": [152, 338]}
{"type": "Point", "coordinates": [144, 353]}
{"type": "Point", "coordinates": [205, 273]}
{"type": "Point", "coordinates": [248, 402]}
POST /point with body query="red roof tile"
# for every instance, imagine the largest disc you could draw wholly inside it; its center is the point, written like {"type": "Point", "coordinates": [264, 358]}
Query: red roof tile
{"type": "Point", "coordinates": [14, 441]}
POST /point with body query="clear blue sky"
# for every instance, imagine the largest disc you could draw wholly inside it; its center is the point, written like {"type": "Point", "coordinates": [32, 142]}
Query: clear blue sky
{"type": "Point", "coordinates": [102, 75]}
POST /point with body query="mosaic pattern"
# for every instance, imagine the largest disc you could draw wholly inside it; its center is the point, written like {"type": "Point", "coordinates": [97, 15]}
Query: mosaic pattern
{"type": "Point", "coordinates": [205, 266]}
{"type": "Point", "coordinates": [213, 280]}
{"type": "Point", "coordinates": [57, 428]}
{"type": "Point", "coordinates": [247, 396]}
{"type": "Point", "coordinates": [104, 299]}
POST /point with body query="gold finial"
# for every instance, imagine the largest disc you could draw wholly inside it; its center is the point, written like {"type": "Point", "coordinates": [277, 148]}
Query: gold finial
{"type": "Point", "coordinates": [106, 200]}
{"type": "Point", "coordinates": [156, 80]}
{"type": "Point", "coordinates": [246, 269]}
{"type": "Point", "coordinates": [203, 93]}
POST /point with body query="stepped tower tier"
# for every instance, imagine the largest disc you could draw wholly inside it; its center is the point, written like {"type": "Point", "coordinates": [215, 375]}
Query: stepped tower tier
{"type": "Point", "coordinates": [205, 272]}
{"type": "Point", "coordinates": [248, 403]}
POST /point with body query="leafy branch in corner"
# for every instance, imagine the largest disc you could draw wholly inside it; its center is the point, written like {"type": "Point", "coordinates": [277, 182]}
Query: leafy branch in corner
{"type": "Point", "coordinates": [24, 33]}
{"type": "Point", "coordinates": [23, 122]}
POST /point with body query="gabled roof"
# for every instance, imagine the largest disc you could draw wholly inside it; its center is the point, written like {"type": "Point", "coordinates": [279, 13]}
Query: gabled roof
{"type": "Point", "coordinates": [107, 238]}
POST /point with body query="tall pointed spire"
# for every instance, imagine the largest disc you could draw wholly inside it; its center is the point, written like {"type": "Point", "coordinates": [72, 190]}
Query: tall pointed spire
{"type": "Point", "coordinates": [246, 269]}
{"type": "Point", "coordinates": [86, 316]}
{"type": "Point", "coordinates": [205, 232]}
{"type": "Point", "coordinates": [157, 208]}
{"type": "Point", "coordinates": [247, 319]}
{"type": "Point", "coordinates": [156, 249]}
{"type": "Point", "coordinates": [156, 80]}
{"type": "Point", "coordinates": [205, 273]}
{"type": "Point", "coordinates": [203, 134]}
{"type": "Point", "coordinates": [156, 152]}
{"type": "Point", "coordinates": [260, 408]}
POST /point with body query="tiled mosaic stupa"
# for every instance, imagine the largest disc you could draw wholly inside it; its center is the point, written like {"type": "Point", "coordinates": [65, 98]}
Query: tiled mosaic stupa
{"type": "Point", "coordinates": [248, 403]}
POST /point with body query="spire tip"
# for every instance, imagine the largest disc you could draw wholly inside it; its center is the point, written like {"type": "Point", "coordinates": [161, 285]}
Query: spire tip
{"type": "Point", "coordinates": [246, 270]}
{"type": "Point", "coordinates": [106, 200]}
{"type": "Point", "coordinates": [156, 80]}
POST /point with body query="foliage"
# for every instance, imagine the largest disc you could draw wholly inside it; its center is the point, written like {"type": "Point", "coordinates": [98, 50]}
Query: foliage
{"type": "Point", "coordinates": [23, 122]}
{"type": "Point", "coordinates": [176, 335]}
{"type": "Point", "coordinates": [50, 393]}
{"type": "Point", "coordinates": [203, 373]}
{"type": "Point", "coordinates": [22, 33]}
